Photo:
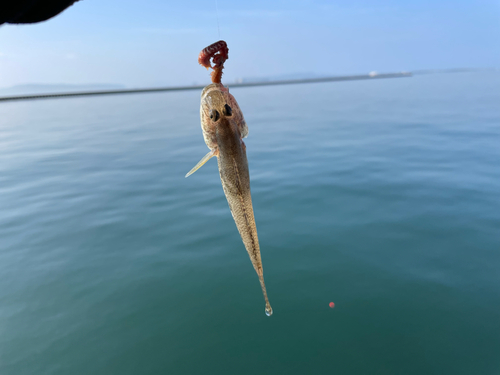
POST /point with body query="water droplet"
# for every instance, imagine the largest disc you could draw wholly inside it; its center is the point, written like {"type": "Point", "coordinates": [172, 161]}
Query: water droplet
{"type": "Point", "coordinates": [269, 311]}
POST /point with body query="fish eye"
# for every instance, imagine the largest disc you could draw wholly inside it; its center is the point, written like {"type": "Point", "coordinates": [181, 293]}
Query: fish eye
{"type": "Point", "coordinates": [214, 115]}
{"type": "Point", "coordinates": [227, 110]}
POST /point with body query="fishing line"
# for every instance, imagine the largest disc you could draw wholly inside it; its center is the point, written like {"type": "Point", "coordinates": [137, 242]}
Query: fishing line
{"type": "Point", "coordinates": [217, 12]}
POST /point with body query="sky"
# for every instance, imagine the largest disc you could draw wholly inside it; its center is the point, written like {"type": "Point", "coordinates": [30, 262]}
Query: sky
{"type": "Point", "coordinates": [156, 42]}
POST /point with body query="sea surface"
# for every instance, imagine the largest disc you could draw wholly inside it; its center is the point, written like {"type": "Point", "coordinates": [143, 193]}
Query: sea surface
{"type": "Point", "coordinates": [381, 196]}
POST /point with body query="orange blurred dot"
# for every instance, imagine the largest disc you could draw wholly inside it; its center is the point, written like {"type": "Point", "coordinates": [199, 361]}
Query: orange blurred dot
{"type": "Point", "coordinates": [331, 304]}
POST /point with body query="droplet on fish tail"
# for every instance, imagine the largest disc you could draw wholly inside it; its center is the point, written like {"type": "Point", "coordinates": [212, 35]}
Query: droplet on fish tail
{"type": "Point", "coordinates": [269, 310]}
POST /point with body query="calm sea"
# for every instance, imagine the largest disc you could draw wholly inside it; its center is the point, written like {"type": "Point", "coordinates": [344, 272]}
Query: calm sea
{"type": "Point", "coordinates": [380, 196]}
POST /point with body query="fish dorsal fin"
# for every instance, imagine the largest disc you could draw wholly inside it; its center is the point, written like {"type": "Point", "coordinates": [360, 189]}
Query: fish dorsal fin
{"type": "Point", "coordinates": [206, 158]}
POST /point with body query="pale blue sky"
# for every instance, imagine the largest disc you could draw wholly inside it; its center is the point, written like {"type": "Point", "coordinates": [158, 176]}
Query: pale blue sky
{"type": "Point", "coordinates": [157, 42]}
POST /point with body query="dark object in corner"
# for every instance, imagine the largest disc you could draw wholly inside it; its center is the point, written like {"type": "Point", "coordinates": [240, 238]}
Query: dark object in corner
{"type": "Point", "coordinates": [31, 11]}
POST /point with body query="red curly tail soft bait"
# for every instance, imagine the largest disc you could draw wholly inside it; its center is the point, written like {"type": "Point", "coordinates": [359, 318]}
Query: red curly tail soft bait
{"type": "Point", "coordinates": [218, 52]}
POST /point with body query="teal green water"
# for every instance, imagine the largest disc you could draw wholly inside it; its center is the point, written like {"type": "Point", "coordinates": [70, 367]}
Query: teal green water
{"type": "Point", "coordinates": [381, 196]}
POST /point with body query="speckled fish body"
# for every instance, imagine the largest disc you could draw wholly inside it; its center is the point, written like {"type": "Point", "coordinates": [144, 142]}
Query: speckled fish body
{"type": "Point", "coordinates": [224, 128]}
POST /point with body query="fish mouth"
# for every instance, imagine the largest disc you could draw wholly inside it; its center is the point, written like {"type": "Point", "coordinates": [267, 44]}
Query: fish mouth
{"type": "Point", "coordinates": [212, 86]}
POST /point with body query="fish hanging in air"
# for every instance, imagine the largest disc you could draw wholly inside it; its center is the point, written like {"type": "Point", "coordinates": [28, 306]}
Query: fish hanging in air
{"type": "Point", "coordinates": [223, 129]}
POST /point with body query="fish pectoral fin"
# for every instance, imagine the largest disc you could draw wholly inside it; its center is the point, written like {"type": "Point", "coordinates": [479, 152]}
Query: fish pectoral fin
{"type": "Point", "coordinates": [206, 158]}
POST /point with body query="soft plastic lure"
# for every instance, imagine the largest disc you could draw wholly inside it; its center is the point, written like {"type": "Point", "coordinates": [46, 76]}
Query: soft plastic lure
{"type": "Point", "coordinates": [223, 129]}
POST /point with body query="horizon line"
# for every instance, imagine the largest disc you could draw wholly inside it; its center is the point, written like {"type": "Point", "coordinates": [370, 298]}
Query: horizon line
{"type": "Point", "coordinates": [372, 75]}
